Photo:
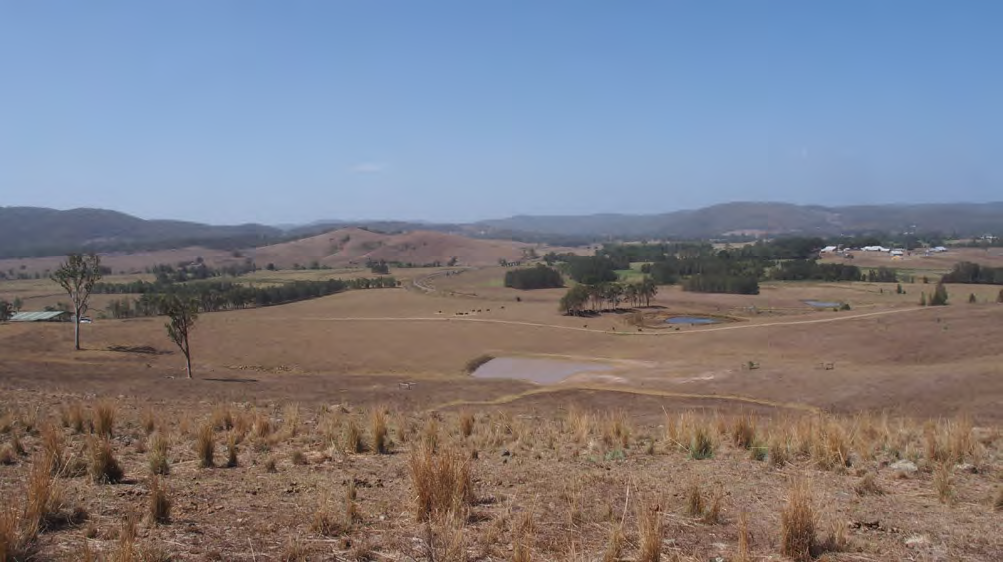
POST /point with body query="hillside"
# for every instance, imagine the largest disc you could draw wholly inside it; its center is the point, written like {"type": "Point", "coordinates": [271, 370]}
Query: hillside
{"type": "Point", "coordinates": [966, 219]}
{"type": "Point", "coordinates": [356, 246]}
{"type": "Point", "coordinates": [33, 231]}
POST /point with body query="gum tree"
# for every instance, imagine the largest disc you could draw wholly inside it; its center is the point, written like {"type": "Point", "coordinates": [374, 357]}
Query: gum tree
{"type": "Point", "coordinates": [77, 276]}
{"type": "Point", "coordinates": [182, 311]}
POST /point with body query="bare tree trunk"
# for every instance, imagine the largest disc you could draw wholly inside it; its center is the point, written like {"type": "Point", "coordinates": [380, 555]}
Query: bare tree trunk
{"type": "Point", "coordinates": [188, 364]}
{"type": "Point", "coordinates": [76, 331]}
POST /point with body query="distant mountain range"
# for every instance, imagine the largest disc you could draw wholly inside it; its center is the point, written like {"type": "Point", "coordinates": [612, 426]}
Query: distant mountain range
{"type": "Point", "coordinates": [31, 231]}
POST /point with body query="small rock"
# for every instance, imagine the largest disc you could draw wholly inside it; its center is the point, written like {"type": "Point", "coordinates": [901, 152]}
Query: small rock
{"type": "Point", "coordinates": [904, 466]}
{"type": "Point", "coordinates": [506, 453]}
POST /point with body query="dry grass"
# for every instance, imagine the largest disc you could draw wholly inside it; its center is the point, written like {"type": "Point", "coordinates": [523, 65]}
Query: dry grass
{"type": "Point", "coordinates": [868, 486]}
{"type": "Point", "coordinates": [614, 544]}
{"type": "Point", "coordinates": [205, 446]}
{"type": "Point", "coordinates": [159, 503]}
{"type": "Point", "coordinates": [694, 500]}
{"type": "Point", "coordinates": [222, 418]}
{"type": "Point", "coordinates": [580, 423]}
{"type": "Point", "coordinates": [943, 482]}
{"type": "Point", "coordinates": [231, 449]}
{"type": "Point", "coordinates": [159, 446]}
{"type": "Point", "coordinates": [998, 501]}
{"type": "Point", "coordinates": [797, 523]}
{"type": "Point", "coordinates": [378, 420]}
{"type": "Point", "coordinates": [105, 468]}
{"type": "Point", "coordinates": [466, 420]}
{"type": "Point", "coordinates": [744, 554]}
{"type": "Point", "coordinates": [701, 443]}
{"type": "Point", "coordinates": [442, 482]}
{"type": "Point", "coordinates": [743, 432]}
{"type": "Point", "coordinates": [104, 418]}
{"type": "Point", "coordinates": [353, 442]}
{"type": "Point", "coordinates": [649, 523]}
{"type": "Point", "coordinates": [148, 421]}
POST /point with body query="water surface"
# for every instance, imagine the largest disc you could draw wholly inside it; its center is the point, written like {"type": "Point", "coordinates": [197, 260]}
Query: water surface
{"type": "Point", "coordinates": [691, 320]}
{"type": "Point", "coordinates": [538, 370]}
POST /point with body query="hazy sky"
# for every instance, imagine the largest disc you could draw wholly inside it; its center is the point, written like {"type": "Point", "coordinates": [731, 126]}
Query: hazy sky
{"type": "Point", "coordinates": [287, 111]}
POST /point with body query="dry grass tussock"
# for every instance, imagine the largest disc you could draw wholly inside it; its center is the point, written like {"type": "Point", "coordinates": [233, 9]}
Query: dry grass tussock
{"type": "Point", "coordinates": [104, 418]}
{"type": "Point", "coordinates": [650, 532]}
{"type": "Point", "coordinates": [205, 446]}
{"type": "Point", "coordinates": [442, 482]}
{"type": "Point", "coordinates": [104, 468]}
{"type": "Point", "coordinates": [798, 522]}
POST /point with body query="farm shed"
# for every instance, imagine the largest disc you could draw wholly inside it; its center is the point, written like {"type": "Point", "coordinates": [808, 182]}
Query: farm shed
{"type": "Point", "coordinates": [45, 316]}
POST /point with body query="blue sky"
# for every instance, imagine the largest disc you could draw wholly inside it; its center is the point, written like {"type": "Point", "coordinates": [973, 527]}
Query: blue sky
{"type": "Point", "coordinates": [268, 111]}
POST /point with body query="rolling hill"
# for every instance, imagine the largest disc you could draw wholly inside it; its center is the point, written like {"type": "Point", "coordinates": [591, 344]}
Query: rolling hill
{"type": "Point", "coordinates": [35, 231]}
{"type": "Point", "coordinates": [356, 246]}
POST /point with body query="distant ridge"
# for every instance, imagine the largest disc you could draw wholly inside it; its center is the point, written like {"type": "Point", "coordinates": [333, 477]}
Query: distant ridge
{"type": "Point", "coordinates": [33, 231]}
{"type": "Point", "coordinates": [36, 231]}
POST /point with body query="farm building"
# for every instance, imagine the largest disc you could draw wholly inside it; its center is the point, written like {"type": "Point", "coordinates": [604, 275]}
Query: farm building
{"type": "Point", "coordinates": [45, 316]}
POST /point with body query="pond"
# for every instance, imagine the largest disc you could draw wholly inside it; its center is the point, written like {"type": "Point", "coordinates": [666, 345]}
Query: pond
{"type": "Point", "coordinates": [692, 320]}
{"type": "Point", "coordinates": [538, 370]}
{"type": "Point", "coordinates": [824, 304]}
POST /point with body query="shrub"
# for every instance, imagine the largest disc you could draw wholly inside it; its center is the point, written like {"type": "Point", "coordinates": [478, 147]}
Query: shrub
{"type": "Point", "coordinates": [442, 482]}
{"type": "Point", "coordinates": [797, 523]}
{"type": "Point", "coordinates": [476, 362]}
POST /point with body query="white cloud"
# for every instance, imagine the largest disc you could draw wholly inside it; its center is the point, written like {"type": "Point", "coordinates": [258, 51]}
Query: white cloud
{"type": "Point", "coordinates": [369, 167]}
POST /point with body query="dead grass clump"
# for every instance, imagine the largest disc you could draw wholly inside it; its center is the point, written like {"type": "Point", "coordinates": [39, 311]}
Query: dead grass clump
{"type": "Point", "coordinates": [743, 554]}
{"type": "Point", "coordinates": [231, 449]}
{"type": "Point", "coordinates": [580, 423]}
{"type": "Point", "coordinates": [998, 502]}
{"type": "Point", "coordinates": [649, 523]}
{"type": "Point", "coordinates": [475, 363]}
{"type": "Point", "coordinates": [160, 503]}
{"type": "Point", "coordinates": [694, 501]}
{"type": "Point", "coordinates": [291, 420]}
{"type": "Point", "coordinates": [6, 423]}
{"type": "Point", "coordinates": [105, 468]}
{"type": "Point", "coordinates": [45, 496]}
{"type": "Point", "coordinates": [222, 418]}
{"type": "Point", "coordinates": [17, 533]}
{"type": "Point", "coordinates": [743, 432]}
{"type": "Point", "coordinates": [712, 515]}
{"type": "Point", "coordinates": [466, 423]}
{"type": "Point", "coordinates": [379, 429]}
{"type": "Point", "coordinates": [148, 421]}
{"type": "Point", "coordinates": [297, 458]}
{"type": "Point", "coordinates": [430, 434]}
{"type": "Point", "coordinates": [701, 444]}
{"type": "Point", "coordinates": [943, 482]}
{"type": "Point", "coordinates": [75, 417]}
{"type": "Point", "coordinates": [7, 455]}
{"type": "Point", "coordinates": [205, 446]}
{"type": "Point", "coordinates": [830, 448]}
{"type": "Point", "coordinates": [53, 447]}
{"type": "Point", "coordinates": [614, 544]}
{"type": "Point", "coordinates": [522, 537]}
{"type": "Point", "coordinates": [778, 453]}
{"type": "Point", "coordinates": [262, 426]}
{"type": "Point", "coordinates": [868, 486]}
{"type": "Point", "coordinates": [270, 466]}
{"type": "Point", "coordinates": [616, 430]}
{"type": "Point", "coordinates": [326, 521]}
{"type": "Point", "coordinates": [961, 445]}
{"type": "Point", "coordinates": [353, 438]}
{"type": "Point", "coordinates": [104, 418]}
{"type": "Point", "coordinates": [159, 446]}
{"type": "Point", "coordinates": [442, 482]}
{"type": "Point", "coordinates": [797, 523]}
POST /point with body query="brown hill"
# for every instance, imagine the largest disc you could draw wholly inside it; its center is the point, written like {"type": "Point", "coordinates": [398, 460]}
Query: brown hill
{"type": "Point", "coordinates": [356, 246]}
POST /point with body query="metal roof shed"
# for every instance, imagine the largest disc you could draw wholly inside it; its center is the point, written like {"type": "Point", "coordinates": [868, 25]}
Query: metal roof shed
{"type": "Point", "coordinates": [44, 316]}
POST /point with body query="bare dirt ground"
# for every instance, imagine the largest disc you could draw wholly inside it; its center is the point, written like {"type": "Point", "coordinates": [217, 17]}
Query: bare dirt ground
{"type": "Point", "coordinates": [543, 485]}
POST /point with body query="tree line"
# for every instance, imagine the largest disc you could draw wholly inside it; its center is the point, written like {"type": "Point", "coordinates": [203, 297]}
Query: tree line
{"type": "Point", "coordinates": [539, 277]}
{"type": "Point", "coordinates": [973, 273]}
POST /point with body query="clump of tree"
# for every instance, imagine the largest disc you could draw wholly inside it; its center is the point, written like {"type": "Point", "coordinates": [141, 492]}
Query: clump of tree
{"type": "Point", "coordinates": [6, 310]}
{"type": "Point", "coordinates": [811, 270]}
{"type": "Point", "coordinates": [592, 270]}
{"type": "Point", "coordinates": [77, 276]}
{"type": "Point", "coordinates": [882, 275]}
{"type": "Point", "coordinates": [214, 296]}
{"type": "Point", "coordinates": [605, 297]}
{"type": "Point", "coordinates": [378, 267]}
{"type": "Point", "coordinates": [539, 277]}
{"type": "Point", "coordinates": [718, 283]}
{"type": "Point", "coordinates": [939, 297]}
{"type": "Point", "coordinates": [973, 273]}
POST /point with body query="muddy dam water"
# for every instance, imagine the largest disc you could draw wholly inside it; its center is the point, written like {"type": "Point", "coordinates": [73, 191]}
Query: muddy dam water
{"type": "Point", "coordinates": [536, 369]}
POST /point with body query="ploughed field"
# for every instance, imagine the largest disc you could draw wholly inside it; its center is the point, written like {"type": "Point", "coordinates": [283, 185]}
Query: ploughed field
{"type": "Point", "coordinates": [681, 440]}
